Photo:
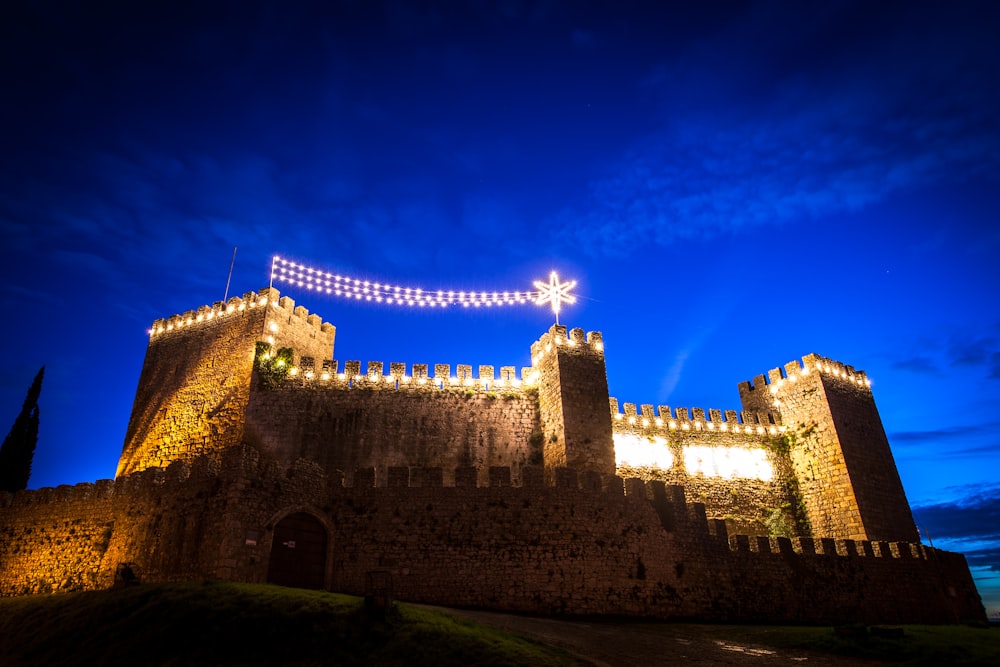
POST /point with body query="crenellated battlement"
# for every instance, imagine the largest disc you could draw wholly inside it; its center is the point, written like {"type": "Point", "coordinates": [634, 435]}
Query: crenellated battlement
{"type": "Point", "coordinates": [445, 474]}
{"type": "Point", "coordinates": [576, 341]}
{"type": "Point", "coordinates": [281, 306]}
{"type": "Point", "coordinates": [665, 419]}
{"type": "Point", "coordinates": [794, 371]}
{"type": "Point", "coordinates": [421, 376]}
{"type": "Point", "coordinates": [670, 501]}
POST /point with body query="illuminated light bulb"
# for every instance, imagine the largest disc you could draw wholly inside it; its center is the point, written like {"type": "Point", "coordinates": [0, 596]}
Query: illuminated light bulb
{"type": "Point", "coordinates": [170, 327]}
{"type": "Point", "coordinates": [697, 425]}
{"type": "Point", "coordinates": [631, 420]}
{"type": "Point", "coordinates": [548, 347]}
{"type": "Point", "coordinates": [149, 332]}
{"type": "Point", "coordinates": [659, 422]}
{"type": "Point", "coordinates": [210, 315]}
{"type": "Point", "coordinates": [805, 371]}
{"type": "Point", "coordinates": [774, 389]}
{"type": "Point", "coordinates": [723, 427]}
{"type": "Point", "coordinates": [324, 376]}
{"type": "Point", "coordinates": [273, 327]}
{"type": "Point", "coordinates": [711, 426]}
{"type": "Point", "coordinates": [736, 429]}
{"type": "Point", "coordinates": [598, 346]}
{"type": "Point", "coordinates": [341, 376]}
{"type": "Point", "coordinates": [281, 363]}
{"type": "Point", "coordinates": [405, 378]}
{"type": "Point", "coordinates": [294, 370]}
{"type": "Point", "coordinates": [793, 378]}
{"type": "Point", "coordinates": [686, 427]}
{"type": "Point", "coordinates": [243, 306]}
{"type": "Point", "coordinates": [200, 317]}
{"type": "Point", "coordinates": [453, 380]}
{"type": "Point", "coordinates": [773, 431]}
{"type": "Point", "coordinates": [515, 382]}
{"type": "Point", "coordinates": [422, 381]}
{"type": "Point", "coordinates": [673, 425]}
{"type": "Point", "coordinates": [619, 415]}
{"type": "Point", "coordinates": [760, 430]}
{"type": "Point", "coordinates": [270, 339]}
{"type": "Point", "coordinates": [645, 423]}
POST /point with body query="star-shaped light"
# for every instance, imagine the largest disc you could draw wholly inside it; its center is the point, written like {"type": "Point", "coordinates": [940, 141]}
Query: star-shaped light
{"type": "Point", "coordinates": [555, 293]}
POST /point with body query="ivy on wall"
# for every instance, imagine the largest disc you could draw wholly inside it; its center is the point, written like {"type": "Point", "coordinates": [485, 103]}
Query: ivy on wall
{"type": "Point", "coordinates": [271, 367]}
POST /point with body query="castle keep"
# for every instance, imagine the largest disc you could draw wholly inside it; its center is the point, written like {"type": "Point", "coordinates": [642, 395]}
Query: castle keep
{"type": "Point", "coordinates": [253, 454]}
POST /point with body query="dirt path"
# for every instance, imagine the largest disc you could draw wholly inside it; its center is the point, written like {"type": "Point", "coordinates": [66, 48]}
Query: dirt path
{"type": "Point", "coordinates": [626, 644]}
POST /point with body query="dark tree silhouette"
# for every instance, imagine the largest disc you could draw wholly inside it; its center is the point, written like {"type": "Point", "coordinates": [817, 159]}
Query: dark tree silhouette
{"type": "Point", "coordinates": [18, 447]}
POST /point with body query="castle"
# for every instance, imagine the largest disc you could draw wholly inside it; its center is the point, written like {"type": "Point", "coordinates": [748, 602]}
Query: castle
{"type": "Point", "coordinates": [252, 455]}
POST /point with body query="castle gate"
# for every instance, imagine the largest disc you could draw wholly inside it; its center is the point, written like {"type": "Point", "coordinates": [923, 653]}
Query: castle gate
{"type": "Point", "coordinates": [298, 552]}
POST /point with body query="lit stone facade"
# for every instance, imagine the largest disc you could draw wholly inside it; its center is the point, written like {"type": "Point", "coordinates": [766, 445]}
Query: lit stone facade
{"type": "Point", "coordinates": [529, 491]}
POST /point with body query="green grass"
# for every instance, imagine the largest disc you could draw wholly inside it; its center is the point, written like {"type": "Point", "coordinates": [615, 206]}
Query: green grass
{"type": "Point", "coordinates": [218, 623]}
{"type": "Point", "coordinates": [930, 645]}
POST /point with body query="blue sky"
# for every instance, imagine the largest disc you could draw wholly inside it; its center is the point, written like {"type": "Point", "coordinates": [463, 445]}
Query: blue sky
{"type": "Point", "coordinates": [734, 185]}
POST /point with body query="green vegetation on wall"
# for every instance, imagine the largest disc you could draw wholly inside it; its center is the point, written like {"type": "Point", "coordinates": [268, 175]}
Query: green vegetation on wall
{"type": "Point", "coordinates": [271, 368]}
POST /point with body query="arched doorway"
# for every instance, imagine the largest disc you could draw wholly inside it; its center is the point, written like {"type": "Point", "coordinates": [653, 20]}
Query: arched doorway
{"type": "Point", "coordinates": [298, 552]}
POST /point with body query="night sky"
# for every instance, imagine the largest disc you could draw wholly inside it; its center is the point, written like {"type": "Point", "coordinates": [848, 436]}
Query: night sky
{"type": "Point", "coordinates": [734, 185]}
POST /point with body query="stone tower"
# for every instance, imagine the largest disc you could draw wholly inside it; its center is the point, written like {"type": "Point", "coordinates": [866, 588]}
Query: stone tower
{"type": "Point", "coordinates": [195, 380]}
{"type": "Point", "coordinates": [573, 400]}
{"type": "Point", "coordinates": [847, 478]}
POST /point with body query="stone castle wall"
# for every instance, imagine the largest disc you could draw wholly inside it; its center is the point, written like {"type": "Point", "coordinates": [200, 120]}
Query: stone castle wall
{"type": "Point", "coordinates": [736, 464]}
{"type": "Point", "coordinates": [493, 492]}
{"type": "Point", "coordinates": [383, 423]}
{"type": "Point", "coordinates": [607, 547]}
{"type": "Point", "coordinates": [838, 448]}
{"type": "Point", "coordinates": [195, 380]}
{"type": "Point", "coordinates": [572, 399]}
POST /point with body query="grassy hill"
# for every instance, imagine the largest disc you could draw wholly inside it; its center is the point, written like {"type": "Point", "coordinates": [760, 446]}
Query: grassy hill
{"type": "Point", "coordinates": [221, 623]}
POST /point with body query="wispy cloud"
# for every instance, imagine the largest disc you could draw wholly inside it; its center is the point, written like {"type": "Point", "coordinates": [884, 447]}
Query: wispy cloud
{"type": "Point", "coordinates": [971, 523]}
{"type": "Point", "coordinates": [846, 128]}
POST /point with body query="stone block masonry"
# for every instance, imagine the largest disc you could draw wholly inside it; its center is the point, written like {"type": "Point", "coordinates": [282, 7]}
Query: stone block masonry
{"type": "Point", "coordinates": [496, 492]}
{"type": "Point", "coordinates": [195, 381]}
{"type": "Point", "coordinates": [573, 400]}
{"type": "Point", "coordinates": [590, 544]}
{"type": "Point", "coordinates": [374, 426]}
{"type": "Point", "coordinates": [838, 449]}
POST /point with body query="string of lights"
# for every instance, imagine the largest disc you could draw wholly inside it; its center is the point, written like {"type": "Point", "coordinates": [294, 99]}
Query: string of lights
{"type": "Point", "coordinates": [316, 280]}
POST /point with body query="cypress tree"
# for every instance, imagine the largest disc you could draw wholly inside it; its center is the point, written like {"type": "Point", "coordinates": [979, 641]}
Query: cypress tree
{"type": "Point", "coordinates": [18, 447]}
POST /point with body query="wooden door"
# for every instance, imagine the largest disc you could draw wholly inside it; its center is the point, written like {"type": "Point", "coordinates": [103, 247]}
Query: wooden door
{"type": "Point", "coordinates": [298, 552]}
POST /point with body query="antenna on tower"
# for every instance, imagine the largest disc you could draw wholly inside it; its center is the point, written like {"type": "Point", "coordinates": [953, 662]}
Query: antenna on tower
{"type": "Point", "coordinates": [231, 265]}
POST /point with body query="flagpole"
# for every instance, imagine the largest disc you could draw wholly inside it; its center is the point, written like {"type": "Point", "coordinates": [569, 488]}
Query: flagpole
{"type": "Point", "coordinates": [231, 264]}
